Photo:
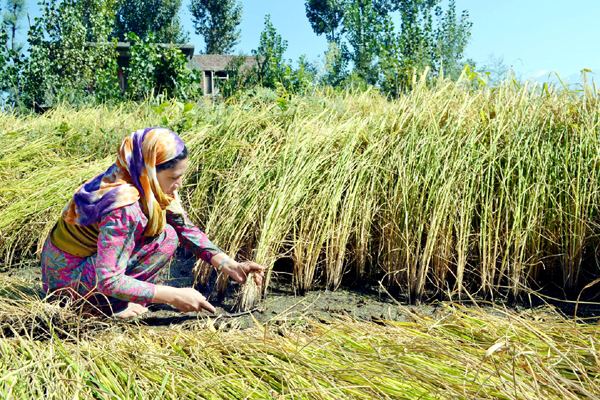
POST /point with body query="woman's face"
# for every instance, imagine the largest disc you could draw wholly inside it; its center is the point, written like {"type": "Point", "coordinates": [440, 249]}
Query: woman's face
{"type": "Point", "coordinates": [170, 179]}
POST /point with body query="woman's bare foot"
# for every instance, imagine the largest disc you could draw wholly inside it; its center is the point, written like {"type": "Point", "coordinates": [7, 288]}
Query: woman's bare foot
{"type": "Point", "coordinates": [132, 310]}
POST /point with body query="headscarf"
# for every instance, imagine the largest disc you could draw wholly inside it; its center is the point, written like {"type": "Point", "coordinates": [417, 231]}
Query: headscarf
{"type": "Point", "coordinates": [131, 178]}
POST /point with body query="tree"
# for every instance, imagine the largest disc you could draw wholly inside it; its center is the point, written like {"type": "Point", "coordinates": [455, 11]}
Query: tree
{"type": "Point", "coordinates": [63, 64]}
{"type": "Point", "coordinates": [387, 55]}
{"type": "Point", "coordinates": [158, 69]}
{"type": "Point", "coordinates": [15, 9]}
{"type": "Point", "coordinates": [11, 56]}
{"type": "Point", "coordinates": [217, 21]}
{"type": "Point", "coordinates": [452, 36]}
{"type": "Point", "coordinates": [364, 21]}
{"type": "Point", "coordinates": [325, 17]}
{"type": "Point", "coordinates": [3, 61]}
{"type": "Point", "coordinates": [271, 67]}
{"type": "Point", "coordinates": [355, 28]}
{"type": "Point", "coordinates": [335, 65]}
{"type": "Point", "coordinates": [303, 77]}
{"type": "Point", "coordinates": [423, 43]}
{"type": "Point", "coordinates": [144, 17]}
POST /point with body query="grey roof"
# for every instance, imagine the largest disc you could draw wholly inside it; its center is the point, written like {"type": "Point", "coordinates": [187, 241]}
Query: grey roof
{"type": "Point", "coordinates": [123, 48]}
{"type": "Point", "coordinates": [218, 62]}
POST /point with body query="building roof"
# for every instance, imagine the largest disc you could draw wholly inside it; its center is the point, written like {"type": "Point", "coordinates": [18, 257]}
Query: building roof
{"type": "Point", "coordinates": [123, 48]}
{"type": "Point", "coordinates": [219, 62]}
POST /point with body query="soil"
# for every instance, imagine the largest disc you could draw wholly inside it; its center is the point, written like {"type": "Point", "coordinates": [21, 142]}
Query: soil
{"type": "Point", "coordinates": [283, 305]}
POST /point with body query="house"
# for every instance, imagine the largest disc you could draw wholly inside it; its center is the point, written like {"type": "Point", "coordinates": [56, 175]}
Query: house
{"type": "Point", "coordinates": [216, 68]}
{"type": "Point", "coordinates": [124, 54]}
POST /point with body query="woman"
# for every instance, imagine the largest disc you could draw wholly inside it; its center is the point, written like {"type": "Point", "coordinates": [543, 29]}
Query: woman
{"type": "Point", "coordinates": [121, 228]}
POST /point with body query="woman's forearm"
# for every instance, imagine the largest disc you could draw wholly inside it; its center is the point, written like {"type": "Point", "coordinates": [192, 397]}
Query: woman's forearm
{"type": "Point", "coordinates": [164, 294]}
{"type": "Point", "coordinates": [183, 299]}
{"type": "Point", "coordinates": [221, 260]}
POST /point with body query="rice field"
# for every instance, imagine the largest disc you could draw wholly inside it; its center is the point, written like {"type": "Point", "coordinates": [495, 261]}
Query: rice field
{"type": "Point", "coordinates": [445, 193]}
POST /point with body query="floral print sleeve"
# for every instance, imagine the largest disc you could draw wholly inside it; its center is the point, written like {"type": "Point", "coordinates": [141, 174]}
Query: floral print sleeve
{"type": "Point", "coordinates": [192, 237]}
{"type": "Point", "coordinates": [116, 243]}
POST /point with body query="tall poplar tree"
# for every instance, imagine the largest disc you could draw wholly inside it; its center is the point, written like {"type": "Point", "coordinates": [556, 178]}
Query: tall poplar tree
{"type": "Point", "coordinates": [15, 10]}
{"type": "Point", "coordinates": [150, 17]}
{"type": "Point", "coordinates": [217, 21]}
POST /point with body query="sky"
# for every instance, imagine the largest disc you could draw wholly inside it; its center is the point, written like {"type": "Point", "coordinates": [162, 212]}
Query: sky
{"type": "Point", "coordinates": [537, 38]}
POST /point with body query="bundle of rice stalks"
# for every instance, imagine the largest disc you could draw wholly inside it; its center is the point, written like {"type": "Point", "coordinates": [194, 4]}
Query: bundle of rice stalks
{"type": "Point", "coordinates": [249, 295]}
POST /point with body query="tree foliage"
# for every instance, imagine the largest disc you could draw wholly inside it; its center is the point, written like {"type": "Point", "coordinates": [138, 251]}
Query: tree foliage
{"type": "Point", "coordinates": [145, 17]}
{"type": "Point", "coordinates": [15, 10]}
{"type": "Point", "coordinates": [271, 66]}
{"type": "Point", "coordinates": [336, 65]}
{"type": "Point", "coordinates": [271, 70]}
{"type": "Point", "coordinates": [72, 57]}
{"type": "Point", "coordinates": [68, 46]}
{"type": "Point", "coordinates": [438, 45]}
{"type": "Point", "coordinates": [158, 69]}
{"type": "Point", "coordinates": [218, 22]}
{"type": "Point", "coordinates": [325, 17]}
{"type": "Point", "coordinates": [381, 53]}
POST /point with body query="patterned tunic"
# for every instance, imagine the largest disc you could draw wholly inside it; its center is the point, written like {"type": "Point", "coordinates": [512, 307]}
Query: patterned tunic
{"type": "Point", "coordinates": [126, 263]}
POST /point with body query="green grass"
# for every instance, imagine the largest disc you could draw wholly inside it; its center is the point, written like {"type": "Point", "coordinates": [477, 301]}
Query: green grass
{"type": "Point", "coordinates": [445, 190]}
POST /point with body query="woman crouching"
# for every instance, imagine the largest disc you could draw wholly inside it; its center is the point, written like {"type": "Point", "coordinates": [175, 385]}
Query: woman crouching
{"type": "Point", "coordinates": [122, 227]}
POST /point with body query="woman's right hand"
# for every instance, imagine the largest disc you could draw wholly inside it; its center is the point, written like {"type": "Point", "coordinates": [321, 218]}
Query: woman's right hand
{"type": "Point", "coordinates": [183, 299]}
{"type": "Point", "coordinates": [189, 299]}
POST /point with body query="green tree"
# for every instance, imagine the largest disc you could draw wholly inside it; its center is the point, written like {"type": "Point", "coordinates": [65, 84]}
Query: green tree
{"type": "Point", "coordinates": [159, 69]}
{"type": "Point", "coordinates": [325, 17]}
{"type": "Point", "coordinates": [270, 66]}
{"type": "Point", "coordinates": [145, 17]}
{"type": "Point", "coordinates": [438, 45]}
{"type": "Point", "coordinates": [335, 65]}
{"type": "Point", "coordinates": [386, 55]}
{"type": "Point", "coordinates": [303, 77]}
{"type": "Point", "coordinates": [68, 52]}
{"type": "Point", "coordinates": [355, 28]}
{"type": "Point", "coordinates": [3, 60]}
{"type": "Point", "coordinates": [364, 22]}
{"type": "Point", "coordinates": [451, 37]}
{"type": "Point", "coordinates": [217, 21]}
{"type": "Point", "coordinates": [15, 10]}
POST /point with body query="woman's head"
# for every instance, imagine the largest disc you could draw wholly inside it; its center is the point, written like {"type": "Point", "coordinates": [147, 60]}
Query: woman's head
{"type": "Point", "coordinates": [170, 173]}
{"type": "Point", "coordinates": [155, 159]}
{"type": "Point", "coordinates": [149, 167]}
{"type": "Point", "coordinates": [145, 153]}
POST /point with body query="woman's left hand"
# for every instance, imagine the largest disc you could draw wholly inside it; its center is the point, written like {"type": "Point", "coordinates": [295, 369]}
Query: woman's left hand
{"type": "Point", "coordinates": [239, 272]}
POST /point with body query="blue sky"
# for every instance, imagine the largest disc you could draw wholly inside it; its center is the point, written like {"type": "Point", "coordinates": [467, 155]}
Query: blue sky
{"type": "Point", "coordinates": [535, 37]}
